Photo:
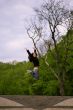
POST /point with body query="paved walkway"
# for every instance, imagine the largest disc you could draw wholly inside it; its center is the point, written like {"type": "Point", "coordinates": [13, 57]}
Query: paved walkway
{"type": "Point", "coordinates": [15, 102]}
{"type": "Point", "coordinates": [7, 102]}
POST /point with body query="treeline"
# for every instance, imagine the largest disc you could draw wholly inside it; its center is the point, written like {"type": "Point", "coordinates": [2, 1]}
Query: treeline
{"type": "Point", "coordinates": [14, 79]}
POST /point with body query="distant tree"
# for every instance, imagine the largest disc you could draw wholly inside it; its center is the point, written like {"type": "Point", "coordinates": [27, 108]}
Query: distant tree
{"type": "Point", "coordinates": [71, 26]}
{"type": "Point", "coordinates": [34, 33]}
{"type": "Point", "coordinates": [52, 16]}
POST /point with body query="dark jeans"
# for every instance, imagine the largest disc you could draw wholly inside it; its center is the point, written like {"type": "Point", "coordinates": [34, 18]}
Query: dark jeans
{"type": "Point", "coordinates": [35, 73]}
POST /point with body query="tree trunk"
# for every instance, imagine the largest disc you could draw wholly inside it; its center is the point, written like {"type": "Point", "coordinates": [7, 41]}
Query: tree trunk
{"type": "Point", "coordinates": [61, 86]}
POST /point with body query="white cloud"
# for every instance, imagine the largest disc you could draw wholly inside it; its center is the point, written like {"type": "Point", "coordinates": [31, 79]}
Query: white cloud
{"type": "Point", "coordinates": [17, 44]}
{"type": "Point", "coordinates": [12, 35]}
{"type": "Point", "coordinates": [13, 16]}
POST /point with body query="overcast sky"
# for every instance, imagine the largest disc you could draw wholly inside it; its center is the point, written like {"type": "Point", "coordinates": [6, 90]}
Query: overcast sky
{"type": "Point", "coordinates": [13, 39]}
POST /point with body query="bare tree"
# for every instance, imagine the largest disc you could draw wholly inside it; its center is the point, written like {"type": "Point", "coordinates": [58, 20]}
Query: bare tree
{"type": "Point", "coordinates": [55, 14]}
{"type": "Point", "coordinates": [34, 33]}
{"type": "Point", "coordinates": [71, 26]}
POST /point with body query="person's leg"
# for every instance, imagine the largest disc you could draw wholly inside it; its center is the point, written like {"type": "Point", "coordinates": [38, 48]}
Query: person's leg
{"type": "Point", "coordinates": [35, 73]}
{"type": "Point", "coordinates": [29, 71]}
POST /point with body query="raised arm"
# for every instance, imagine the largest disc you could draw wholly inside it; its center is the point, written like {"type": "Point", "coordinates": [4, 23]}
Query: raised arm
{"type": "Point", "coordinates": [30, 56]}
{"type": "Point", "coordinates": [35, 52]}
{"type": "Point", "coordinates": [28, 52]}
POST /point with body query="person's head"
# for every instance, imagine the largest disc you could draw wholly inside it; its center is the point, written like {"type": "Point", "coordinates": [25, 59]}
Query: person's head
{"type": "Point", "coordinates": [34, 53]}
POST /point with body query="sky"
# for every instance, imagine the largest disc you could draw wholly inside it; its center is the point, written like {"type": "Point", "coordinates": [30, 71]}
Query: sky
{"type": "Point", "coordinates": [13, 38]}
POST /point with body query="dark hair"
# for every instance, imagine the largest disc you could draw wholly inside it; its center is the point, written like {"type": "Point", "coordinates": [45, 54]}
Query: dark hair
{"type": "Point", "coordinates": [35, 52]}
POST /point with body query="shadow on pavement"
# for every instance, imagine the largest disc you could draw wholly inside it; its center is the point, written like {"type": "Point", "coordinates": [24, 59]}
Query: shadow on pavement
{"type": "Point", "coordinates": [37, 102]}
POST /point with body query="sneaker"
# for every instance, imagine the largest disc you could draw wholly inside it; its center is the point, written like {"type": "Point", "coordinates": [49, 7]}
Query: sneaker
{"type": "Point", "coordinates": [29, 71]}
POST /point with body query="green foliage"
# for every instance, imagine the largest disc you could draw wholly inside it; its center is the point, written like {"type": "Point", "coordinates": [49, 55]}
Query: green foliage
{"type": "Point", "coordinates": [15, 80]}
{"type": "Point", "coordinates": [52, 88]}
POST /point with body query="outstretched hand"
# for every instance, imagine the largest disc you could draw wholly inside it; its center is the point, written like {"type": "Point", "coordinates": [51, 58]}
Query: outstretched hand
{"type": "Point", "coordinates": [26, 49]}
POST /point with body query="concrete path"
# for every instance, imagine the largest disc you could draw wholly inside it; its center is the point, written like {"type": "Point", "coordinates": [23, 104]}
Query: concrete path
{"type": "Point", "coordinates": [16, 102]}
{"type": "Point", "coordinates": [68, 102]}
{"type": "Point", "coordinates": [36, 109]}
{"type": "Point", "coordinates": [7, 102]}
